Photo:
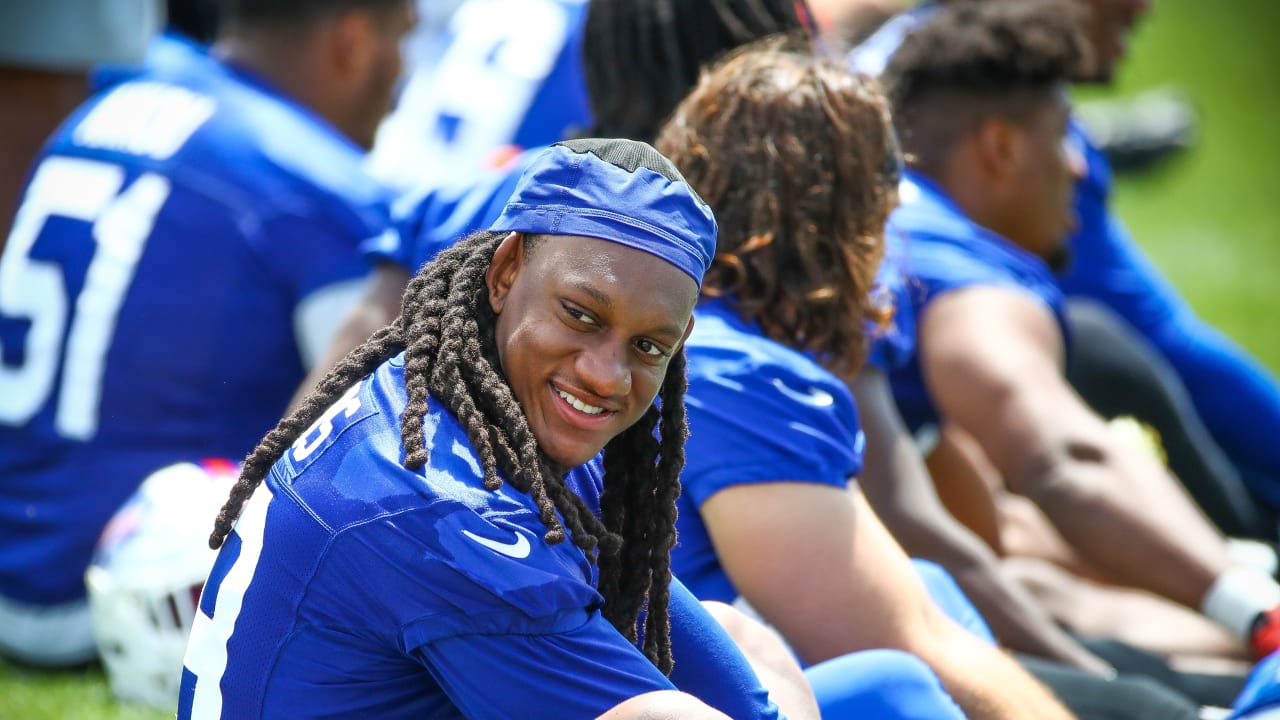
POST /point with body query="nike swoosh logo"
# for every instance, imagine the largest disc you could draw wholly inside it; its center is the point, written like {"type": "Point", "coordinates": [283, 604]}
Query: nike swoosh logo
{"type": "Point", "coordinates": [815, 397]}
{"type": "Point", "coordinates": [518, 549]}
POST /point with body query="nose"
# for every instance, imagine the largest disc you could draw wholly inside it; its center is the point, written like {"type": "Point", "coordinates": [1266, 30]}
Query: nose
{"type": "Point", "coordinates": [1073, 158]}
{"type": "Point", "coordinates": [603, 370]}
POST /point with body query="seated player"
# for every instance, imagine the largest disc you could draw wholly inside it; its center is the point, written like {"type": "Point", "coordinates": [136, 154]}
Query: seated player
{"type": "Point", "coordinates": [168, 281]}
{"type": "Point", "coordinates": [434, 536]}
{"type": "Point", "coordinates": [767, 514]}
{"type": "Point", "coordinates": [986, 210]}
{"type": "Point", "coordinates": [1229, 465]}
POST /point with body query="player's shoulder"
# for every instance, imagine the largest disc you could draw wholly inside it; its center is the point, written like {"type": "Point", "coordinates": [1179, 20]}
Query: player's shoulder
{"type": "Point", "coordinates": [734, 369]}
{"type": "Point", "coordinates": [218, 130]}
{"type": "Point", "coordinates": [727, 349]}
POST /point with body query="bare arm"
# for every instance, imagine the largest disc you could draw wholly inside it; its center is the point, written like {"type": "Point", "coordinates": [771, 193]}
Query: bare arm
{"type": "Point", "coordinates": [899, 488]}
{"type": "Point", "coordinates": [663, 705]}
{"type": "Point", "coordinates": [992, 359]}
{"type": "Point", "coordinates": [815, 561]}
{"type": "Point", "coordinates": [378, 305]}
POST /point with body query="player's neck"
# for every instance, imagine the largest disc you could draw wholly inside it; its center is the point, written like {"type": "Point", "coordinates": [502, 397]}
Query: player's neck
{"type": "Point", "coordinates": [288, 65]}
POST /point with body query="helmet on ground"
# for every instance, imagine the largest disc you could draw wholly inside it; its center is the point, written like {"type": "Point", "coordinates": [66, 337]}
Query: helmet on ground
{"type": "Point", "coordinates": [146, 575]}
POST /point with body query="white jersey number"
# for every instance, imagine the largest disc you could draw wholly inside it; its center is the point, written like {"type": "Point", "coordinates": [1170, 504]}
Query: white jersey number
{"type": "Point", "coordinates": [88, 191]}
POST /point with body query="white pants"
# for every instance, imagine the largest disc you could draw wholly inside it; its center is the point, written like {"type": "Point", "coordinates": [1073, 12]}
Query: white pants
{"type": "Point", "coordinates": [47, 636]}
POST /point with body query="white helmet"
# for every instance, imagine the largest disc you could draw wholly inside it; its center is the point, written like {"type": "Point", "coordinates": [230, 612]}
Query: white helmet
{"type": "Point", "coordinates": [146, 576]}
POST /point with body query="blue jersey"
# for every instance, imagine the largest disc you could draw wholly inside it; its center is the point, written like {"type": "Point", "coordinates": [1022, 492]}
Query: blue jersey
{"type": "Point", "coordinates": [509, 78]}
{"type": "Point", "coordinates": [758, 412]}
{"type": "Point", "coordinates": [353, 587]}
{"type": "Point", "coordinates": [430, 222]}
{"type": "Point", "coordinates": [178, 235]}
{"type": "Point", "coordinates": [893, 346]}
{"type": "Point", "coordinates": [943, 251]}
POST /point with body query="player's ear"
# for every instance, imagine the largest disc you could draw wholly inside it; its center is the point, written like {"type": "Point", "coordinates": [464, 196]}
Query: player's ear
{"type": "Point", "coordinates": [1000, 147]}
{"type": "Point", "coordinates": [353, 42]}
{"type": "Point", "coordinates": [503, 269]}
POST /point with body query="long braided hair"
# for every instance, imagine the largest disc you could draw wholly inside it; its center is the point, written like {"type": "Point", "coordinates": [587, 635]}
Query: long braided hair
{"type": "Point", "coordinates": [446, 330]}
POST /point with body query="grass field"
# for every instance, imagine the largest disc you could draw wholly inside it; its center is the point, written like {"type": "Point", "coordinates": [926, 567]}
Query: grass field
{"type": "Point", "coordinates": [1210, 219]}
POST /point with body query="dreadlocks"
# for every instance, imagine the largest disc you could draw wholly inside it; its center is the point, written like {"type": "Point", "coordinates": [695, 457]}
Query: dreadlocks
{"type": "Point", "coordinates": [641, 57]}
{"type": "Point", "coordinates": [796, 156]}
{"type": "Point", "coordinates": [446, 330]}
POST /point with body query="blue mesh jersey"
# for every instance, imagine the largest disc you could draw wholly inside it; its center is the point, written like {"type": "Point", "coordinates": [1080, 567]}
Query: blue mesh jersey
{"type": "Point", "coordinates": [944, 251]}
{"type": "Point", "coordinates": [353, 587]}
{"type": "Point", "coordinates": [175, 238]}
{"type": "Point", "coordinates": [509, 77]}
{"type": "Point", "coordinates": [758, 412]}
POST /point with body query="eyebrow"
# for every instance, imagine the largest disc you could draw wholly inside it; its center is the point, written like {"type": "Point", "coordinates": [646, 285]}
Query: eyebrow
{"type": "Point", "coordinates": [672, 333]}
{"type": "Point", "coordinates": [595, 293]}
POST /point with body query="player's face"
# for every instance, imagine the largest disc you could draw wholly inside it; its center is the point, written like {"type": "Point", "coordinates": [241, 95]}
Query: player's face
{"type": "Point", "coordinates": [1109, 26]}
{"type": "Point", "coordinates": [1043, 181]}
{"type": "Point", "coordinates": [382, 71]}
{"type": "Point", "coordinates": [586, 329]}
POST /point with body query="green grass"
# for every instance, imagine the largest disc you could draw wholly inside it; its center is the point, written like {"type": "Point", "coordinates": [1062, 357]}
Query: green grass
{"type": "Point", "coordinates": [82, 694]}
{"type": "Point", "coordinates": [1210, 219]}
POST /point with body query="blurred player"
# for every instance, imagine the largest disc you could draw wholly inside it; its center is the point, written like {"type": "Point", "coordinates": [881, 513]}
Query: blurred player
{"type": "Point", "coordinates": [183, 247]}
{"type": "Point", "coordinates": [768, 515]}
{"type": "Point", "coordinates": [505, 77]}
{"type": "Point", "coordinates": [986, 210]}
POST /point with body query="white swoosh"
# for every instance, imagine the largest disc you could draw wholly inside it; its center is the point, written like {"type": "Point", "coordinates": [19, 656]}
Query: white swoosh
{"type": "Point", "coordinates": [518, 549]}
{"type": "Point", "coordinates": [815, 397]}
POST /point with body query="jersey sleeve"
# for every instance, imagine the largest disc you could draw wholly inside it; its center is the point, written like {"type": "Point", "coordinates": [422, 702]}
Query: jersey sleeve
{"type": "Point", "coordinates": [309, 252]}
{"type": "Point", "coordinates": [767, 423]}
{"type": "Point", "coordinates": [578, 671]}
{"type": "Point", "coordinates": [708, 665]}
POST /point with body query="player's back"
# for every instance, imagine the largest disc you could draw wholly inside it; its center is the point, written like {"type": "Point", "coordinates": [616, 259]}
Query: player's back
{"type": "Point", "coordinates": [173, 235]}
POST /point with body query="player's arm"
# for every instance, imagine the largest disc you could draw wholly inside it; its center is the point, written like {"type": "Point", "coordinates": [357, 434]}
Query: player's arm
{"type": "Point", "coordinates": [818, 565]}
{"type": "Point", "coordinates": [377, 305]}
{"type": "Point", "coordinates": [992, 359]}
{"type": "Point", "coordinates": [663, 705]}
{"type": "Point", "coordinates": [582, 669]}
{"type": "Point", "coordinates": [899, 489]}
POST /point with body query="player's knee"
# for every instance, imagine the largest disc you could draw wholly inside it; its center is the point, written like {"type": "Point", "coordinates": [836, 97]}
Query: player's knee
{"type": "Point", "coordinates": [877, 684]}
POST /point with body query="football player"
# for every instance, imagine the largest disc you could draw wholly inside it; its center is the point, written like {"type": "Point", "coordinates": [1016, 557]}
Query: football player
{"type": "Point", "coordinates": [431, 533]}
{"type": "Point", "coordinates": [986, 209]}
{"type": "Point", "coordinates": [183, 247]}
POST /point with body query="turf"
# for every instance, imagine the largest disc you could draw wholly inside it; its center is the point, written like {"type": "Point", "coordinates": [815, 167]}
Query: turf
{"type": "Point", "coordinates": [1210, 219]}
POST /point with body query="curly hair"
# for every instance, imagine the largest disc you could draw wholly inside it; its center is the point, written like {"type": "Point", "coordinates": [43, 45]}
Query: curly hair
{"type": "Point", "coordinates": [641, 57]}
{"type": "Point", "coordinates": [973, 60]}
{"type": "Point", "coordinates": [446, 331]}
{"type": "Point", "coordinates": [796, 156]}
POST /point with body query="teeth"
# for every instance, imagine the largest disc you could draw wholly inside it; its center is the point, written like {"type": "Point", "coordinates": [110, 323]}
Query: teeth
{"type": "Point", "coordinates": [579, 405]}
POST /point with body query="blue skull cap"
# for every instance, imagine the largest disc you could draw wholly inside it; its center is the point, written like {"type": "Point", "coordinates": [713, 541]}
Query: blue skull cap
{"type": "Point", "coordinates": [622, 191]}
